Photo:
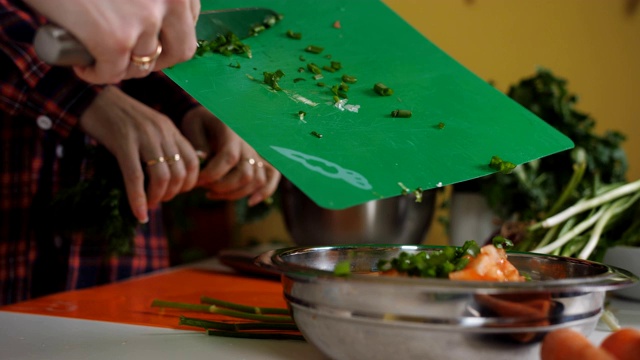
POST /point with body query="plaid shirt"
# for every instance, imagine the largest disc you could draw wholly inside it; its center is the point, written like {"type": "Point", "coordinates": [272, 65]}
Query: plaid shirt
{"type": "Point", "coordinates": [39, 154]}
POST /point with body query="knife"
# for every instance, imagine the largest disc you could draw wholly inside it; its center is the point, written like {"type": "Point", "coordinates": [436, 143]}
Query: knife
{"type": "Point", "coordinates": [56, 46]}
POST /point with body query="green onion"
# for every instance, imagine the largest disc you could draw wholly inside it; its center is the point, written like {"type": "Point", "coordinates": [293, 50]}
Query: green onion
{"type": "Point", "coordinates": [299, 79]}
{"type": "Point", "coordinates": [440, 125]}
{"type": "Point", "coordinates": [343, 268]}
{"type": "Point", "coordinates": [502, 166]}
{"type": "Point", "coordinates": [349, 79]}
{"type": "Point", "coordinates": [336, 65]}
{"type": "Point", "coordinates": [314, 49]}
{"type": "Point", "coordinates": [316, 134]}
{"type": "Point", "coordinates": [329, 69]}
{"type": "Point", "coordinates": [401, 113]}
{"type": "Point", "coordinates": [272, 78]}
{"type": "Point", "coordinates": [294, 35]}
{"type": "Point", "coordinates": [381, 89]}
{"type": "Point", "coordinates": [301, 114]}
{"type": "Point", "coordinates": [314, 68]}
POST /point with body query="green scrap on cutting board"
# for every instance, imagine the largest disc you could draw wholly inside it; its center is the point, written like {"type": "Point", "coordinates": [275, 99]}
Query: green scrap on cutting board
{"type": "Point", "coordinates": [364, 152]}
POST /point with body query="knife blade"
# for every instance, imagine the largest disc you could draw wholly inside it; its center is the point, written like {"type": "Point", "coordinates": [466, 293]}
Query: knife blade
{"type": "Point", "coordinates": [57, 46]}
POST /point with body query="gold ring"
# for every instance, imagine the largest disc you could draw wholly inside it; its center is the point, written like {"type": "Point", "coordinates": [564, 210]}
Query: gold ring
{"type": "Point", "coordinates": [173, 159]}
{"type": "Point", "coordinates": [157, 161]}
{"type": "Point", "coordinates": [144, 62]}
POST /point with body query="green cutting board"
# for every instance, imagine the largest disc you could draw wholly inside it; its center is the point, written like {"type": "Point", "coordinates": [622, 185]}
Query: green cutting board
{"type": "Point", "coordinates": [362, 155]}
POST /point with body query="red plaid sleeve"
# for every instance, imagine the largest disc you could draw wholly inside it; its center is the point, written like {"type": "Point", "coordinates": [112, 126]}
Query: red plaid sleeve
{"type": "Point", "coordinates": [54, 95]}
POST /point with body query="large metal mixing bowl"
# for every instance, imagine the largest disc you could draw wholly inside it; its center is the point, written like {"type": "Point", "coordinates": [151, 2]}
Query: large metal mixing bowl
{"type": "Point", "coordinates": [396, 220]}
{"type": "Point", "coordinates": [363, 316]}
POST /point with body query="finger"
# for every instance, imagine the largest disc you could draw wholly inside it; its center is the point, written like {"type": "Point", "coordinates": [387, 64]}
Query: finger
{"type": "Point", "coordinates": [108, 68]}
{"type": "Point", "coordinates": [145, 53]}
{"type": "Point", "coordinates": [195, 10]}
{"type": "Point", "coordinates": [159, 175]}
{"type": "Point", "coordinates": [134, 184]}
{"type": "Point", "coordinates": [177, 173]}
{"type": "Point", "coordinates": [241, 177]}
{"type": "Point", "coordinates": [220, 165]}
{"type": "Point", "coordinates": [177, 35]}
{"type": "Point", "coordinates": [191, 165]}
{"type": "Point", "coordinates": [272, 180]}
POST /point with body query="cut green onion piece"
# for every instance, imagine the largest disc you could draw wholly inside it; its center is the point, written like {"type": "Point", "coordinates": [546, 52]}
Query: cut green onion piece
{"type": "Point", "coordinates": [440, 125]}
{"type": "Point", "coordinates": [316, 134]}
{"type": "Point", "coordinates": [314, 68]}
{"type": "Point", "coordinates": [314, 49]}
{"type": "Point", "coordinates": [272, 78]}
{"type": "Point", "coordinates": [329, 69]}
{"type": "Point", "coordinates": [336, 65]}
{"type": "Point", "coordinates": [401, 113]}
{"type": "Point", "coordinates": [381, 89]}
{"type": "Point", "coordinates": [301, 114]}
{"type": "Point", "coordinates": [318, 77]}
{"type": "Point", "coordinates": [294, 35]}
{"type": "Point", "coordinates": [299, 79]}
{"type": "Point", "coordinates": [349, 79]}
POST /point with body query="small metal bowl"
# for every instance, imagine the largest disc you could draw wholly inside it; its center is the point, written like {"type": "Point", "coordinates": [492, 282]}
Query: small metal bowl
{"type": "Point", "coordinates": [363, 316]}
{"type": "Point", "coordinates": [396, 220]}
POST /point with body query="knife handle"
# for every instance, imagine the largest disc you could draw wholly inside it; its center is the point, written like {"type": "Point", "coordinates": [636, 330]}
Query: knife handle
{"type": "Point", "coordinates": [56, 46]}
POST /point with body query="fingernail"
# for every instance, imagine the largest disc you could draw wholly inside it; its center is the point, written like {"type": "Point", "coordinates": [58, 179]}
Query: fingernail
{"type": "Point", "coordinates": [142, 216]}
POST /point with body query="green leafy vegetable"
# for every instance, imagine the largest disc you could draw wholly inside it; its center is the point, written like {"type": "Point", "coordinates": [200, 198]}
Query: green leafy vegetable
{"type": "Point", "coordinates": [434, 264]}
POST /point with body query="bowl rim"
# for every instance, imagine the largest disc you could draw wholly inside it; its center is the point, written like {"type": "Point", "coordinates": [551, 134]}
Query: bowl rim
{"type": "Point", "coordinates": [610, 278]}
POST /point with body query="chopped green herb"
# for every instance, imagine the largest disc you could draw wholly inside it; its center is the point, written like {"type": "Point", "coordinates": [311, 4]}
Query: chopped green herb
{"type": "Point", "coordinates": [401, 113]}
{"type": "Point", "coordinates": [328, 56]}
{"type": "Point", "coordinates": [316, 134]}
{"type": "Point", "coordinates": [342, 268]}
{"type": "Point", "coordinates": [255, 30]}
{"type": "Point", "coordinates": [337, 90]}
{"type": "Point", "coordinates": [440, 125]}
{"type": "Point", "coordinates": [329, 69]}
{"type": "Point", "coordinates": [321, 84]}
{"type": "Point", "coordinates": [301, 114]}
{"type": "Point", "coordinates": [294, 35]}
{"type": "Point", "coordinates": [336, 65]}
{"type": "Point", "coordinates": [228, 45]}
{"type": "Point", "coordinates": [505, 167]}
{"type": "Point", "coordinates": [349, 79]}
{"type": "Point", "coordinates": [236, 65]}
{"type": "Point", "coordinates": [318, 77]}
{"type": "Point", "coordinates": [299, 79]}
{"type": "Point", "coordinates": [418, 194]}
{"type": "Point", "coordinates": [301, 70]}
{"type": "Point", "coordinates": [405, 190]}
{"type": "Point", "coordinates": [314, 49]}
{"type": "Point", "coordinates": [434, 264]}
{"type": "Point", "coordinates": [272, 78]}
{"type": "Point", "coordinates": [314, 68]}
{"type": "Point", "coordinates": [502, 243]}
{"type": "Point", "coordinates": [302, 58]}
{"type": "Point", "coordinates": [381, 89]}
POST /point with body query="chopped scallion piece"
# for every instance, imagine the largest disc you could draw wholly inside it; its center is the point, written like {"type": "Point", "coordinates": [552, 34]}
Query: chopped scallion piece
{"type": "Point", "coordinates": [405, 190]}
{"type": "Point", "coordinates": [343, 268]}
{"type": "Point", "coordinates": [349, 79]}
{"type": "Point", "coordinates": [314, 49]}
{"type": "Point", "coordinates": [440, 125]}
{"type": "Point", "coordinates": [302, 58]}
{"type": "Point", "coordinates": [336, 65]}
{"type": "Point", "coordinates": [401, 113]}
{"type": "Point", "coordinates": [294, 35]}
{"type": "Point", "coordinates": [329, 69]}
{"type": "Point", "coordinates": [314, 68]}
{"type": "Point", "coordinates": [318, 77]}
{"type": "Point", "coordinates": [383, 90]}
{"type": "Point", "coordinates": [502, 166]}
{"type": "Point", "coordinates": [321, 84]}
{"type": "Point", "coordinates": [316, 134]}
{"type": "Point", "coordinates": [301, 114]}
{"type": "Point", "coordinates": [272, 78]}
{"type": "Point", "coordinates": [301, 70]}
{"type": "Point", "coordinates": [236, 65]}
{"type": "Point", "coordinates": [299, 79]}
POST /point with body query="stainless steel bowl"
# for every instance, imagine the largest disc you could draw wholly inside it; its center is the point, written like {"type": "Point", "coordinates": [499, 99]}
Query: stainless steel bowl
{"type": "Point", "coordinates": [396, 220]}
{"type": "Point", "coordinates": [362, 316]}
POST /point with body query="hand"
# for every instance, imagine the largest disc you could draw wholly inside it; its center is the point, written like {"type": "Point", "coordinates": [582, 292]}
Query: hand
{"type": "Point", "coordinates": [234, 170]}
{"type": "Point", "coordinates": [135, 133]}
{"type": "Point", "coordinates": [113, 31]}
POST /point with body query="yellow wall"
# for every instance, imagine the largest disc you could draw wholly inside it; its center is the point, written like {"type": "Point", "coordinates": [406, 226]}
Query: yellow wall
{"type": "Point", "coordinates": [594, 44]}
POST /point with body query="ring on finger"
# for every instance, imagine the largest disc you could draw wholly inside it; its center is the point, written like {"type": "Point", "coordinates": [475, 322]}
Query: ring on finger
{"type": "Point", "coordinates": [174, 159]}
{"type": "Point", "coordinates": [251, 161]}
{"type": "Point", "coordinates": [144, 63]}
{"type": "Point", "coordinates": [156, 161]}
